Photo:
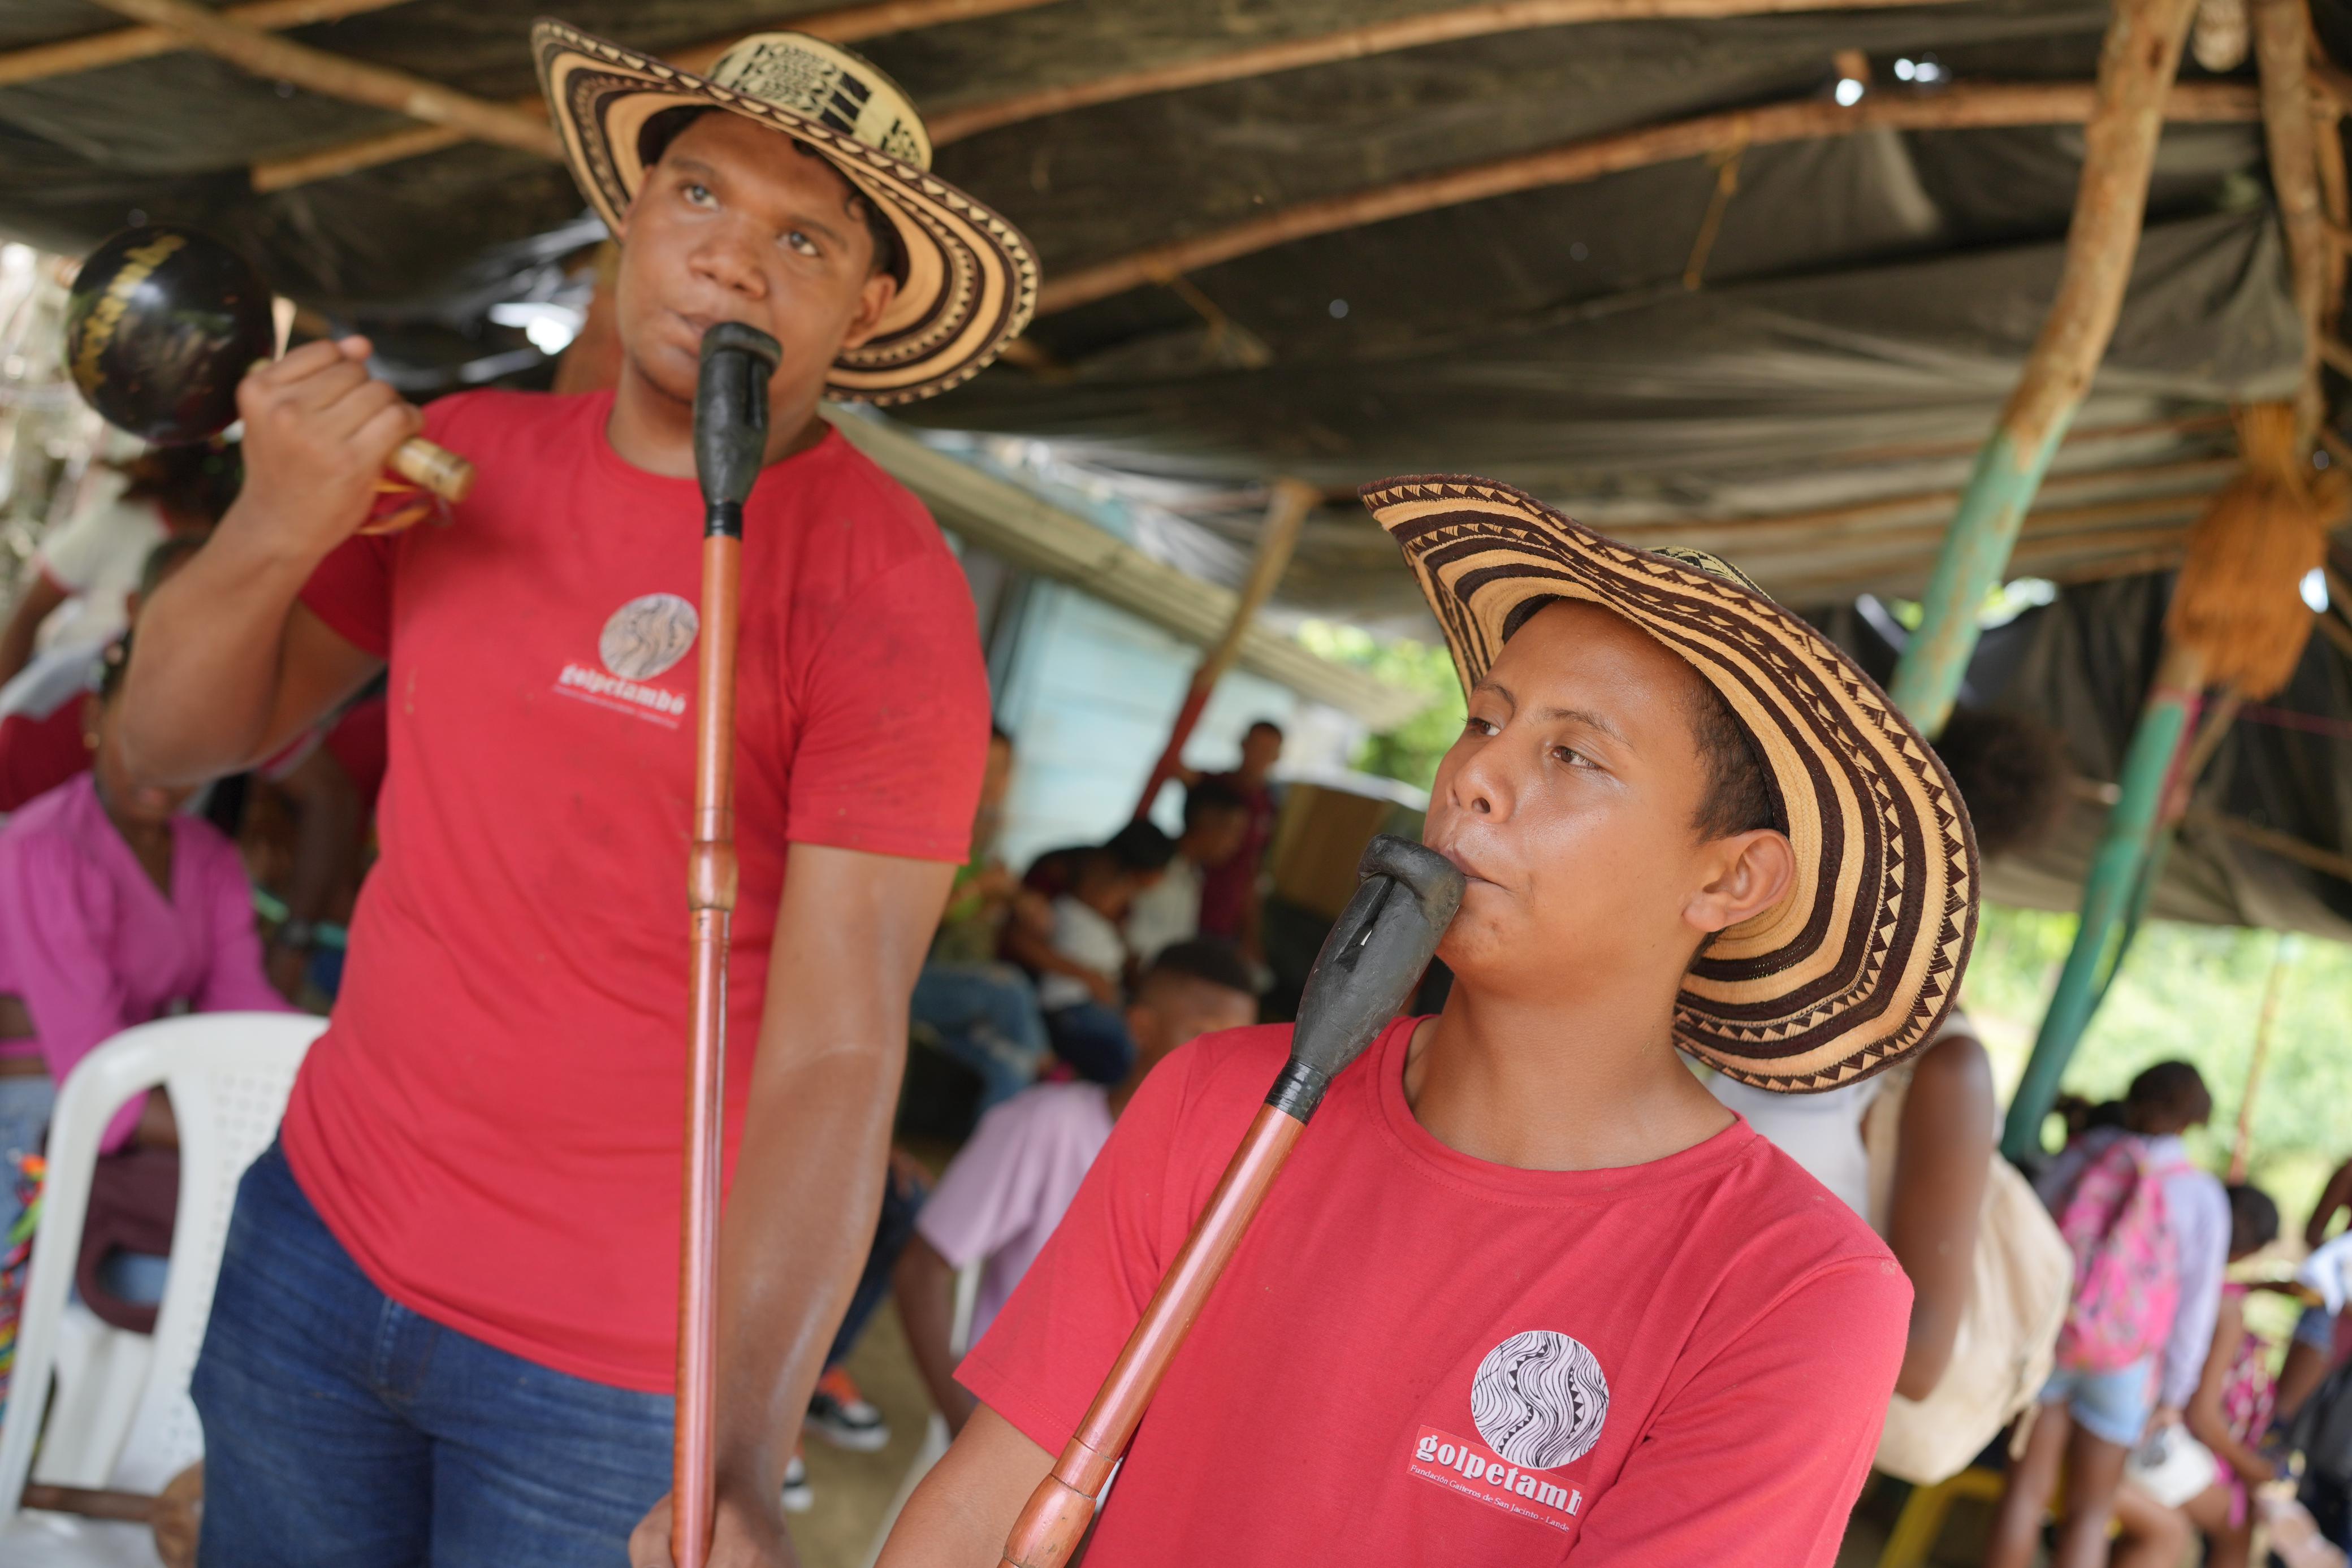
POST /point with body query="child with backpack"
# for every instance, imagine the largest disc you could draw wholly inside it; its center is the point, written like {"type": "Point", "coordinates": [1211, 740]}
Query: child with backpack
{"type": "Point", "coordinates": [2150, 1235]}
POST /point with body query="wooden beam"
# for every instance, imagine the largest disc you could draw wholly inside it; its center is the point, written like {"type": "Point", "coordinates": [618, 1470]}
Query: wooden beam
{"type": "Point", "coordinates": [2286, 846]}
{"type": "Point", "coordinates": [1964, 107]}
{"type": "Point", "coordinates": [1864, 520]}
{"type": "Point", "coordinates": [843, 25]}
{"type": "Point", "coordinates": [95, 51]}
{"type": "Point", "coordinates": [957, 121]}
{"type": "Point", "coordinates": [335, 76]}
{"type": "Point", "coordinates": [2282, 41]}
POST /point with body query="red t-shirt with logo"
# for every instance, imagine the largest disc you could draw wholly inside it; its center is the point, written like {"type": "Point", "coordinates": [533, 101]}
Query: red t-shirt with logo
{"type": "Point", "coordinates": [491, 1124]}
{"type": "Point", "coordinates": [1416, 1357]}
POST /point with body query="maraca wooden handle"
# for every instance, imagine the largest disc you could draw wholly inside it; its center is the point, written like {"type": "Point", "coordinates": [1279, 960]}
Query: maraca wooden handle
{"type": "Point", "coordinates": [436, 469]}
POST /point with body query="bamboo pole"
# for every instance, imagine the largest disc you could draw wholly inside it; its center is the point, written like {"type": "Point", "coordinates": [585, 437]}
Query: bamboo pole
{"type": "Point", "coordinates": [2136, 65]}
{"type": "Point", "coordinates": [96, 51]}
{"type": "Point", "coordinates": [843, 25]}
{"type": "Point", "coordinates": [2242, 1149]}
{"type": "Point", "coordinates": [1286, 513]}
{"type": "Point", "coordinates": [2282, 42]}
{"type": "Point", "coordinates": [2110, 891]}
{"type": "Point", "coordinates": [1966, 107]}
{"type": "Point", "coordinates": [335, 76]}
{"type": "Point", "coordinates": [2286, 846]}
{"type": "Point", "coordinates": [958, 122]}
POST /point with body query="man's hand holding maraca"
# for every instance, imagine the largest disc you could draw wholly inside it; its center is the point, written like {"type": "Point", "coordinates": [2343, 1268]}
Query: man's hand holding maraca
{"type": "Point", "coordinates": [318, 432]}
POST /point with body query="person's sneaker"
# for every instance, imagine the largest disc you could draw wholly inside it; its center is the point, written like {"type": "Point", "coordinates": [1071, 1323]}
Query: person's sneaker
{"type": "Point", "coordinates": [843, 1418]}
{"type": "Point", "coordinates": [799, 1496]}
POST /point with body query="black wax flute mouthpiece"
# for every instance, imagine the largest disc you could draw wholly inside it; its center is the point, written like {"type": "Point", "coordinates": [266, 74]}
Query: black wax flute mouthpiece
{"type": "Point", "coordinates": [1368, 965]}
{"type": "Point", "coordinates": [730, 419]}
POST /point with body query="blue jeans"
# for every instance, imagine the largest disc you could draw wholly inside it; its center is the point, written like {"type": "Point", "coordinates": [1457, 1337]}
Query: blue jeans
{"type": "Point", "coordinates": [987, 1018]}
{"type": "Point", "coordinates": [2113, 1406]}
{"type": "Point", "coordinates": [342, 1428]}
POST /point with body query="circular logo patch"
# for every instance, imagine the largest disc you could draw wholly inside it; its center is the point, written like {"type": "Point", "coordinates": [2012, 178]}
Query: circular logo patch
{"type": "Point", "coordinates": [1539, 1400]}
{"type": "Point", "coordinates": [647, 635]}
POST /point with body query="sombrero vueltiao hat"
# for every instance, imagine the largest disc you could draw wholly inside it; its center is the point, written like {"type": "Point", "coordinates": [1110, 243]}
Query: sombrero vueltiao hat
{"type": "Point", "coordinates": [1857, 966]}
{"type": "Point", "coordinates": [969, 282]}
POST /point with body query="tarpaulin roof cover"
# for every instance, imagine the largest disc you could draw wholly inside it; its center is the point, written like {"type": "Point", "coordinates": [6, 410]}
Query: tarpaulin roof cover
{"type": "Point", "coordinates": [1807, 400]}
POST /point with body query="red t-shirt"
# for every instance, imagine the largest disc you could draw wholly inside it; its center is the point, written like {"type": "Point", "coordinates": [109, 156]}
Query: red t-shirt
{"type": "Point", "coordinates": [1418, 1357]}
{"type": "Point", "coordinates": [492, 1125]}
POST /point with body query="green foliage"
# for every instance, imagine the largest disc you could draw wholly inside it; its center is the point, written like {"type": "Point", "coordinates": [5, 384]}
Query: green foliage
{"type": "Point", "coordinates": [1411, 751]}
{"type": "Point", "coordinates": [2193, 992]}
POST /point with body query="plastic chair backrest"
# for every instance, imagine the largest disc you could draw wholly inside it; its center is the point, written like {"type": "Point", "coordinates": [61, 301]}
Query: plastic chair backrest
{"type": "Point", "coordinates": [228, 1075]}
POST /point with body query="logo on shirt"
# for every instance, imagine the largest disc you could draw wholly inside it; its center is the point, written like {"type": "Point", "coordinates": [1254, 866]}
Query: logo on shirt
{"type": "Point", "coordinates": [647, 635]}
{"type": "Point", "coordinates": [644, 637]}
{"type": "Point", "coordinates": [1538, 1401]}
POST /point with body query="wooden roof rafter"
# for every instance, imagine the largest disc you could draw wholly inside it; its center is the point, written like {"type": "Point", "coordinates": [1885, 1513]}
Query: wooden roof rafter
{"type": "Point", "coordinates": [956, 122]}
{"type": "Point", "coordinates": [120, 46]}
{"type": "Point", "coordinates": [842, 25]}
{"type": "Point", "coordinates": [1965, 106]}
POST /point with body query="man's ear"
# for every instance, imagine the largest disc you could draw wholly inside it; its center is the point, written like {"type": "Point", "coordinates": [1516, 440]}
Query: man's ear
{"type": "Point", "coordinates": [1142, 1024]}
{"type": "Point", "coordinates": [1753, 871]}
{"type": "Point", "coordinates": [873, 300]}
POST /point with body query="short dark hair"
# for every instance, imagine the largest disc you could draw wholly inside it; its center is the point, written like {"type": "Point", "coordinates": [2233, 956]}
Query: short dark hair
{"type": "Point", "coordinates": [654, 139]}
{"type": "Point", "coordinates": [2010, 771]}
{"type": "Point", "coordinates": [2170, 1092]}
{"type": "Point", "coordinates": [1206, 959]}
{"type": "Point", "coordinates": [1263, 724]}
{"type": "Point", "coordinates": [1739, 795]}
{"type": "Point", "coordinates": [1208, 797]}
{"type": "Point", "coordinates": [1141, 847]}
{"type": "Point", "coordinates": [2253, 1219]}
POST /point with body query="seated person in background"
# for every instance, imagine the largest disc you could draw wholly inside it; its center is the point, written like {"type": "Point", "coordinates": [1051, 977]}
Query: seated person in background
{"type": "Point", "coordinates": [74, 596]}
{"type": "Point", "coordinates": [2011, 775]}
{"type": "Point", "coordinates": [2229, 1414]}
{"type": "Point", "coordinates": [1216, 822]}
{"type": "Point", "coordinates": [1004, 1193]}
{"type": "Point", "coordinates": [115, 909]}
{"type": "Point", "coordinates": [44, 738]}
{"type": "Point", "coordinates": [2318, 1345]}
{"type": "Point", "coordinates": [1080, 995]}
{"type": "Point", "coordinates": [2091, 1420]}
{"type": "Point", "coordinates": [981, 1012]}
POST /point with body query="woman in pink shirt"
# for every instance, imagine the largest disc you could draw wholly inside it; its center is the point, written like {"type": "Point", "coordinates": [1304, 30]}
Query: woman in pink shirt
{"type": "Point", "coordinates": [115, 909]}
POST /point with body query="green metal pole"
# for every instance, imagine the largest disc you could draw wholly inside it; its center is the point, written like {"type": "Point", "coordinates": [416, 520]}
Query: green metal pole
{"type": "Point", "coordinates": [2137, 65]}
{"type": "Point", "coordinates": [2110, 895]}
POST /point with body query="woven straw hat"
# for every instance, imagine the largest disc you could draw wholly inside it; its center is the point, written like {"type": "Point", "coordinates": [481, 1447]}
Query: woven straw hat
{"type": "Point", "coordinates": [1857, 966]}
{"type": "Point", "coordinates": [970, 280]}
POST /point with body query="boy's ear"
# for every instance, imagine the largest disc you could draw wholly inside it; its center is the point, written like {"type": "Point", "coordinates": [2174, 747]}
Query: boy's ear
{"type": "Point", "coordinates": [873, 300]}
{"type": "Point", "coordinates": [1753, 871]}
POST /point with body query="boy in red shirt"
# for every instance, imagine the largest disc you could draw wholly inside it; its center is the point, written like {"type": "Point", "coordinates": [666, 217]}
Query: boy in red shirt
{"type": "Point", "coordinates": [444, 1329]}
{"type": "Point", "coordinates": [1525, 1292]}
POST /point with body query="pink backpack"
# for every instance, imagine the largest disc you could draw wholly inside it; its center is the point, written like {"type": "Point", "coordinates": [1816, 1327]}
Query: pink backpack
{"type": "Point", "coordinates": [2126, 1261]}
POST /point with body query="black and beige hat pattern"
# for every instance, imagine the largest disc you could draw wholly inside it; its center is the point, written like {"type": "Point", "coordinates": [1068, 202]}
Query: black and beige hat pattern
{"type": "Point", "coordinates": [1857, 966]}
{"type": "Point", "coordinates": [969, 282]}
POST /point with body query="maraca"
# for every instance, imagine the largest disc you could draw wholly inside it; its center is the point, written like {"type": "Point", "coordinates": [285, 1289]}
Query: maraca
{"type": "Point", "coordinates": [162, 324]}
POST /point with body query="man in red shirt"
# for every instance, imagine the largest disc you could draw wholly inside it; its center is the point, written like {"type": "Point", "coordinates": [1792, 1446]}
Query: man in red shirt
{"type": "Point", "coordinates": [1229, 901]}
{"type": "Point", "coordinates": [1525, 1292]}
{"type": "Point", "coordinates": [445, 1324]}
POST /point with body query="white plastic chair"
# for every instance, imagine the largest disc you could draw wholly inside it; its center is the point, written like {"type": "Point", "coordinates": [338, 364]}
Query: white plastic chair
{"type": "Point", "coordinates": [124, 1418]}
{"type": "Point", "coordinates": [935, 1432]}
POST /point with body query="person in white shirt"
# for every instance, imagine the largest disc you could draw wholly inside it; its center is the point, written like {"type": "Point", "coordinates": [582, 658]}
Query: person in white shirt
{"type": "Point", "coordinates": [79, 592]}
{"type": "Point", "coordinates": [1216, 823]}
{"type": "Point", "coordinates": [1082, 1019]}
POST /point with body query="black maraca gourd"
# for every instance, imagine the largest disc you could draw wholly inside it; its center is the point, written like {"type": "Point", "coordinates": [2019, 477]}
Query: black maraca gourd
{"type": "Point", "coordinates": [162, 322]}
